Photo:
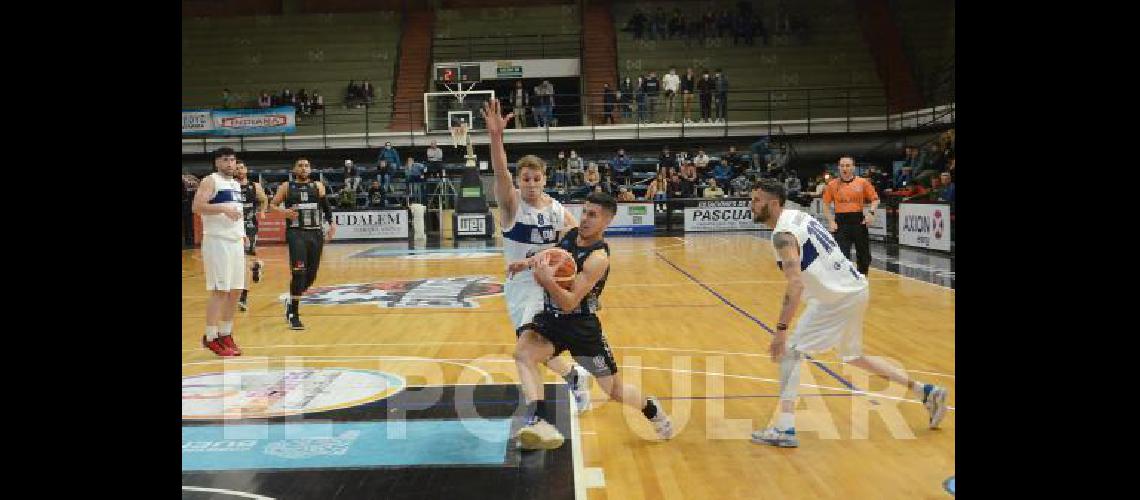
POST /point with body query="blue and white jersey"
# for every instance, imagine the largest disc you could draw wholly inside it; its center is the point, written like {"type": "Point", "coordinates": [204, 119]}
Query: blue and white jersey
{"type": "Point", "coordinates": [532, 230]}
{"type": "Point", "coordinates": [219, 225]}
{"type": "Point", "coordinates": [828, 276]}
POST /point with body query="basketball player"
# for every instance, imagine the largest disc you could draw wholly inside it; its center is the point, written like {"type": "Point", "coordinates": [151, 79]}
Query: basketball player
{"type": "Point", "coordinates": [837, 298]}
{"type": "Point", "coordinates": [218, 202]}
{"type": "Point", "coordinates": [532, 221]}
{"type": "Point", "coordinates": [253, 201]}
{"type": "Point", "coordinates": [305, 205]}
{"type": "Point", "coordinates": [569, 321]}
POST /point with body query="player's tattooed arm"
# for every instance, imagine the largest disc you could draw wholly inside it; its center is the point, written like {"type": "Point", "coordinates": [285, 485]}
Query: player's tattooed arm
{"type": "Point", "coordinates": [788, 248]}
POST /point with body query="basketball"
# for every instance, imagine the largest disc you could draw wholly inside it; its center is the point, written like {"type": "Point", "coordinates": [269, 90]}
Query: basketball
{"type": "Point", "coordinates": [564, 266]}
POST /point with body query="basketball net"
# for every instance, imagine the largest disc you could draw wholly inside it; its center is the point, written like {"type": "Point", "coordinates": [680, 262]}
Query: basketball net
{"type": "Point", "coordinates": [459, 134]}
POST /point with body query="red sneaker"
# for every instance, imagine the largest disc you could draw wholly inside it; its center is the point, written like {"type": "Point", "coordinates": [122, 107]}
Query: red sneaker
{"type": "Point", "coordinates": [228, 341]}
{"type": "Point", "coordinates": [217, 347]}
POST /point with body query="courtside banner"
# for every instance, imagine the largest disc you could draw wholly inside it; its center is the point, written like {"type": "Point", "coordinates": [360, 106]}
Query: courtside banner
{"type": "Point", "coordinates": [371, 225]}
{"type": "Point", "coordinates": [631, 218]}
{"type": "Point", "coordinates": [278, 120]}
{"type": "Point", "coordinates": [720, 215]}
{"type": "Point", "coordinates": [925, 225]}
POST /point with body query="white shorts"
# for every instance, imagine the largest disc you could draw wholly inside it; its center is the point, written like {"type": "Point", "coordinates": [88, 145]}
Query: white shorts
{"type": "Point", "coordinates": [224, 262]}
{"type": "Point", "coordinates": [524, 299]}
{"type": "Point", "coordinates": [832, 325]}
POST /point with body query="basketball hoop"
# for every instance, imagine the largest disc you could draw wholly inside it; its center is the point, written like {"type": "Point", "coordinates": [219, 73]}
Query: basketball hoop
{"type": "Point", "coordinates": [459, 131]}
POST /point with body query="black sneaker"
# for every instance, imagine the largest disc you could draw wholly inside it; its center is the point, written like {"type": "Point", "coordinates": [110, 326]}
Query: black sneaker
{"type": "Point", "coordinates": [294, 322]}
{"type": "Point", "coordinates": [243, 305]}
{"type": "Point", "coordinates": [256, 272]}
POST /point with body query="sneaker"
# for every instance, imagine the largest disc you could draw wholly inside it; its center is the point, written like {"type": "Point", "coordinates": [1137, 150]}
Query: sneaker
{"type": "Point", "coordinates": [243, 305]}
{"type": "Point", "coordinates": [217, 347]}
{"type": "Point", "coordinates": [540, 436]}
{"type": "Point", "coordinates": [256, 272]}
{"type": "Point", "coordinates": [935, 403]}
{"type": "Point", "coordinates": [661, 422]}
{"type": "Point", "coordinates": [776, 437]}
{"type": "Point", "coordinates": [294, 321]}
{"type": "Point", "coordinates": [581, 390]}
{"type": "Point", "coordinates": [228, 341]}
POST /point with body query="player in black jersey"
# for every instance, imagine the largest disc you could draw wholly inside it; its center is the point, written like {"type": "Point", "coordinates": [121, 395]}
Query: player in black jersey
{"type": "Point", "coordinates": [253, 201]}
{"type": "Point", "coordinates": [305, 206]}
{"type": "Point", "coordinates": [569, 322]}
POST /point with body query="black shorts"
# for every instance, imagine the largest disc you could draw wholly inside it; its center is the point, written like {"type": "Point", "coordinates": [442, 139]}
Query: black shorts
{"type": "Point", "coordinates": [581, 334]}
{"type": "Point", "coordinates": [305, 247]}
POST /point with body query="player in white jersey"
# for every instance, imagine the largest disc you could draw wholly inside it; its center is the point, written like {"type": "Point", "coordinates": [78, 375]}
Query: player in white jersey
{"type": "Point", "coordinates": [532, 221]}
{"type": "Point", "coordinates": [837, 298]}
{"type": "Point", "coordinates": [219, 203]}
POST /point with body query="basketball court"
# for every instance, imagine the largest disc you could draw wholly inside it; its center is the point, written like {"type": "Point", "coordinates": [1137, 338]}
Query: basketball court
{"type": "Point", "coordinates": [403, 384]}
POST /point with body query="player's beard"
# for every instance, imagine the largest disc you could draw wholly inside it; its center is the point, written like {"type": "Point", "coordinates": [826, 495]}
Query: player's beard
{"type": "Point", "coordinates": [762, 215]}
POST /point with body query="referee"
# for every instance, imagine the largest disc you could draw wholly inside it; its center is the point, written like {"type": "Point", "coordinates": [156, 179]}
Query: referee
{"type": "Point", "coordinates": [850, 193]}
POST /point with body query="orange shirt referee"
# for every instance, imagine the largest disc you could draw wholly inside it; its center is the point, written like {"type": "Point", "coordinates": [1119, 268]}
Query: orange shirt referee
{"type": "Point", "coordinates": [849, 193]}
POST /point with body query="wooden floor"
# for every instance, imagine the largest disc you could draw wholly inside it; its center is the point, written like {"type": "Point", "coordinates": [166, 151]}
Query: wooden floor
{"type": "Point", "coordinates": [681, 342]}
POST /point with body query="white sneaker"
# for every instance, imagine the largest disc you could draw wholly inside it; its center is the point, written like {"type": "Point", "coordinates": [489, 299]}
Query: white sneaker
{"type": "Point", "coordinates": [540, 436]}
{"type": "Point", "coordinates": [582, 390]}
{"type": "Point", "coordinates": [661, 422]}
{"type": "Point", "coordinates": [776, 437]}
{"type": "Point", "coordinates": [936, 404]}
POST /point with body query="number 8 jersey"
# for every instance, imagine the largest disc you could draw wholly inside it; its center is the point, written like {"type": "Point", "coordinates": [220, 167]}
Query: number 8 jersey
{"type": "Point", "coordinates": [827, 275]}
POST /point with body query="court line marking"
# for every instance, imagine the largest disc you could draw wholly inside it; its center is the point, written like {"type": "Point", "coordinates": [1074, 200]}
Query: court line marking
{"type": "Point", "coordinates": [595, 477]}
{"type": "Point", "coordinates": [227, 492]}
{"type": "Point", "coordinates": [576, 452]}
{"type": "Point", "coordinates": [859, 392]}
{"type": "Point", "coordinates": [757, 321]}
{"type": "Point", "coordinates": [264, 359]}
{"type": "Point", "coordinates": [503, 344]}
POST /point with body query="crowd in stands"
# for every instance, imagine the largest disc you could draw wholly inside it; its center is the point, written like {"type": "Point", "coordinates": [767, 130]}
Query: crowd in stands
{"type": "Point", "coordinates": [357, 95]}
{"type": "Point", "coordinates": [742, 24]}
{"type": "Point", "coordinates": [670, 98]}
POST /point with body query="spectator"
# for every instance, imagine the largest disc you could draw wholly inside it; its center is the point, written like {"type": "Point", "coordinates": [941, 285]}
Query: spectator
{"type": "Point", "coordinates": [375, 194]}
{"type": "Point", "coordinates": [351, 178]}
{"type": "Point", "coordinates": [637, 24]}
{"type": "Point", "coordinates": [760, 151]}
{"type": "Point", "coordinates": [367, 92]}
{"type": "Point", "coordinates": [434, 160]}
{"type": "Point", "coordinates": [384, 173]}
{"type": "Point", "coordinates": [318, 102]}
{"type": "Point", "coordinates": [659, 25]}
{"type": "Point", "coordinates": [519, 102]}
{"type": "Point", "coordinates": [793, 185]}
{"type": "Point", "coordinates": [701, 160]}
{"type": "Point", "coordinates": [346, 199]}
{"type": "Point", "coordinates": [608, 102]}
{"type": "Point", "coordinates": [625, 195]}
{"type": "Point", "coordinates": [592, 177]}
{"type": "Point", "coordinates": [658, 188]}
{"type": "Point", "coordinates": [625, 96]}
{"type": "Point", "coordinates": [713, 191]}
{"type": "Point", "coordinates": [390, 154]}
{"type": "Point", "coordinates": [677, 186]}
{"type": "Point", "coordinates": [722, 172]}
{"type": "Point", "coordinates": [652, 94]}
{"type": "Point", "coordinates": [705, 88]}
{"type": "Point", "coordinates": [676, 23]}
{"type": "Point", "coordinates": [946, 194]}
{"type": "Point", "coordinates": [689, 180]}
{"type": "Point", "coordinates": [576, 168]}
{"type": "Point", "coordinates": [950, 167]}
{"type": "Point", "coordinates": [688, 85]}
{"type": "Point", "coordinates": [621, 165]}
{"type": "Point", "coordinates": [189, 189]}
{"type": "Point", "coordinates": [672, 84]}
{"type": "Point", "coordinates": [544, 107]}
{"type": "Point", "coordinates": [351, 95]}
{"type": "Point", "coordinates": [264, 101]}
{"type": "Point", "coordinates": [301, 106]}
{"type": "Point", "coordinates": [903, 178]}
{"type": "Point", "coordinates": [642, 108]}
{"type": "Point", "coordinates": [666, 161]}
{"type": "Point", "coordinates": [734, 160]}
{"type": "Point", "coordinates": [287, 98]}
{"type": "Point", "coordinates": [414, 174]}
{"type": "Point", "coordinates": [720, 96]}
